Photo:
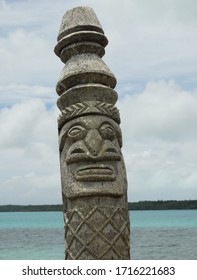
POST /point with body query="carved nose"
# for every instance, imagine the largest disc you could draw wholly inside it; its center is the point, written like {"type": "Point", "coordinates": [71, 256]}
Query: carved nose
{"type": "Point", "coordinates": [93, 141]}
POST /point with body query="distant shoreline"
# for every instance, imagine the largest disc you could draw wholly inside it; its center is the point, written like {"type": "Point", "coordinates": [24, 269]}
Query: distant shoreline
{"type": "Point", "coordinates": [140, 205]}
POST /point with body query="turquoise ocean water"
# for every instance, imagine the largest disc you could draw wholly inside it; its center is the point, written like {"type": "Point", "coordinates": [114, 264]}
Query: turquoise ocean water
{"type": "Point", "coordinates": [169, 234]}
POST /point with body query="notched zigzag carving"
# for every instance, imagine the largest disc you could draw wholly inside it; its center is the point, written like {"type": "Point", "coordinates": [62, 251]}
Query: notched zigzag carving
{"type": "Point", "coordinates": [85, 108]}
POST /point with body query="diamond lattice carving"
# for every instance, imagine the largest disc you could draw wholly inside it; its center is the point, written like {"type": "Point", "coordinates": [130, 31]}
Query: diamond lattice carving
{"type": "Point", "coordinates": [99, 234]}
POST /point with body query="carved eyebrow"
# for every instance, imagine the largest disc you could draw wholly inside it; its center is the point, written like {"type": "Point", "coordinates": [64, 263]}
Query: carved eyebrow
{"type": "Point", "coordinates": [106, 122]}
{"type": "Point", "coordinates": [113, 126]}
{"type": "Point", "coordinates": [74, 124]}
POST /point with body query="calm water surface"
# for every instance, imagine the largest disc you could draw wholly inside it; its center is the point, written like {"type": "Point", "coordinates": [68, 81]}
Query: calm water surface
{"type": "Point", "coordinates": [154, 235]}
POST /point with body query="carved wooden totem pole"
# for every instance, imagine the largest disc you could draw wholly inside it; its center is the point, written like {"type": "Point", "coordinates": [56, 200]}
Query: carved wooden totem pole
{"type": "Point", "coordinates": [93, 176]}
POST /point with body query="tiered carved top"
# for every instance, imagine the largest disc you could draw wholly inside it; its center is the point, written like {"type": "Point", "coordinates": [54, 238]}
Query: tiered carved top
{"type": "Point", "coordinates": [85, 77]}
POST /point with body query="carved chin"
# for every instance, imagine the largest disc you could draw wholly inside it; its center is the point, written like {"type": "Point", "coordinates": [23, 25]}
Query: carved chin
{"type": "Point", "coordinates": [95, 173]}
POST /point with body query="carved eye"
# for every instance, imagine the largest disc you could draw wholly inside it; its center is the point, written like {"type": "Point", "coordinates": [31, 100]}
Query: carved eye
{"type": "Point", "coordinates": [77, 132]}
{"type": "Point", "coordinates": [107, 131]}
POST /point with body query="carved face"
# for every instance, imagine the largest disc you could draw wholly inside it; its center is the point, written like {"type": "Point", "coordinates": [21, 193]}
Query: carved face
{"type": "Point", "coordinates": [90, 156]}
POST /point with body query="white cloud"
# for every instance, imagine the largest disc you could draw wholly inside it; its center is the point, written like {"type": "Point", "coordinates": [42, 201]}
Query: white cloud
{"type": "Point", "coordinates": [152, 40]}
{"type": "Point", "coordinates": [160, 141]}
{"type": "Point", "coordinates": [162, 111]}
{"type": "Point", "coordinates": [26, 59]}
{"type": "Point", "coordinates": [16, 93]}
{"type": "Point", "coordinates": [29, 158]}
{"type": "Point", "coordinates": [32, 188]}
{"type": "Point", "coordinates": [22, 122]}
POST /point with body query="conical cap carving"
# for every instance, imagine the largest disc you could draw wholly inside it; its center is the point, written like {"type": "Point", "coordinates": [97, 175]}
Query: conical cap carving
{"type": "Point", "coordinates": [79, 19]}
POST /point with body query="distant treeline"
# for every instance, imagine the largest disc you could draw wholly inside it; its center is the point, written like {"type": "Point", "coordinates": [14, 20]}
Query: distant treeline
{"type": "Point", "coordinates": [163, 205]}
{"type": "Point", "coordinates": [30, 208]}
{"type": "Point", "coordinates": [141, 205]}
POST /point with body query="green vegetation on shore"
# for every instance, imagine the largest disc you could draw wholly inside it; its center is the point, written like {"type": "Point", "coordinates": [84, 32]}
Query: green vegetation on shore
{"type": "Point", "coordinates": [163, 205]}
{"type": "Point", "coordinates": [141, 205]}
{"type": "Point", "coordinates": [30, 208]}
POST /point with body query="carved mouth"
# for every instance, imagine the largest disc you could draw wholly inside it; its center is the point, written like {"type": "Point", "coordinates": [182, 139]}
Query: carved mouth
{"type": "Point", "coordinates": [95, 173]}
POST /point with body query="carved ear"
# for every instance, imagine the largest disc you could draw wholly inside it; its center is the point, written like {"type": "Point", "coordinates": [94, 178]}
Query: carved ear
{"type": "Point", "coordinates": [62, 138]}
{"type": "Point", "coordinates": [61, 144]}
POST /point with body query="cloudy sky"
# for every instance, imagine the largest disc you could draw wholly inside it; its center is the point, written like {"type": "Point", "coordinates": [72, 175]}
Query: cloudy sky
{"type": "Point", "coordinates": [152, 52]}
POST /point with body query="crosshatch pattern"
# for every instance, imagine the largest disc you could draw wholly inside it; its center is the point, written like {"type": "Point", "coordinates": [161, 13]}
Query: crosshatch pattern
{"type": "Point", "coordinates": [102, 233]}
